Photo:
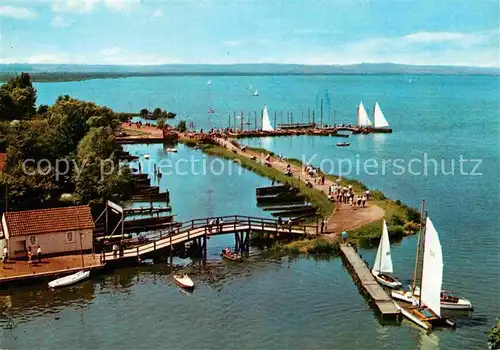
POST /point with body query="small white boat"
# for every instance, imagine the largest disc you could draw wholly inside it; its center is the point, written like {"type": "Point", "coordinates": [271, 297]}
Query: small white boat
{"type": "Point", "coordinates": [69, 280]}
{"type": "Point", "coordinates": [146, 156]}
{"type": "Point", "coordinates": [256, 93]}
{"type": "Point", "coordinates": [343, 144]}
{"type": "Point", "coordinates": [382, 267]}
{"type": "Point", "coordinates": [448, 300]}
{"type": "Point", "coordinates": [183, 281]}
{"type": "Point", "coordinates": [173, 150]}
{"type": "Point", "coordinates": [209, 82]}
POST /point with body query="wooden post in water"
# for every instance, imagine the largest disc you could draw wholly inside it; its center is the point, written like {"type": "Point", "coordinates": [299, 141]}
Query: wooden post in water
{"type": "Point", "coordinates": [309, 116]}
{"type": "Point", "coordinates": [291, 117]}
{"type": "Point", "coordinates": [255, 121]}
{"type": "Point", "coordinates": [234, 119]}
{"type": "Point", "coordinates": [241, 121]}
{"type": "Point", "coordinates": [313, 119]}
{"type": "Point", "coordinates": [249, 122]}
{"type": "Point", "coordinates": [275, 120]}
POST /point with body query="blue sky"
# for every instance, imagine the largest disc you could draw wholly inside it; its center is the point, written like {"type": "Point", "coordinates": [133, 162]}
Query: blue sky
{"type": "Point", "coordinates": [253, 31]}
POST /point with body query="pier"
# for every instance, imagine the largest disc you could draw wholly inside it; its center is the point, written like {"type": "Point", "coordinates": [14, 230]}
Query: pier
{"type": "Point", "coordinates": [367, 283]}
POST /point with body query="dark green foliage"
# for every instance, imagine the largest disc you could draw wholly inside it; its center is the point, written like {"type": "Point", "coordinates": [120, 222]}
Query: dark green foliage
{"type": "Point", "coordinates": [17, 98]}
{"type": "Point", "coordinates": [144, 113]}
{"type": "Point", "coordinates": [413, 215]}
{"type": "Point", "coordinates": [494, 336]}
{"type": "Point", "coordinates": [160, 123]}
{"type": "Point", "coordinates": [181, 127]}
{"type": "Point", "coordinates": [377, 195]}
{"type": "Point", "coordinates": [396, 220]}
{"type": "Point", "coordinates": [396, 232]}
{"type": "Point", "coordinates": [42, 109]}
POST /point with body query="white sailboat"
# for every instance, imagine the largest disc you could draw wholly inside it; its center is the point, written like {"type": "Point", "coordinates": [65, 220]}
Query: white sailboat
{"type": "Point", "coordinates": [448, 300]}
{"type": "Point", "coordinates": [382, 267]}
{"type": "Point", "coordinates": [69, 280]}
{"type": "Point", "coordinates": [256, 93]}
{"type": "Point", "coordinates": [426, 312]}
{"type": "Point", "coordinates": [209, 82]}
{"type": "Point", "coordinates": [363, 120]}
{"type": "Point", "coordinates": [266, 122]}
{"type": "Point", "coordinates": [380, 124]}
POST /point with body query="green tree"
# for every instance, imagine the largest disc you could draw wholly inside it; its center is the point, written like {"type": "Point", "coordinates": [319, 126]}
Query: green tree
{"type": "Point", "coordinates": [42, 109]}
{"type": "Point", "coordinates": [160, 123]}
{"type": "Point", "coordinates": [494, 336]}
{"type": "Point", "coordinates": [157, 113]}
{"type": "Point", "coordinates": [181, 127]}
{"type": "Point", "coordinates": [144, 112]}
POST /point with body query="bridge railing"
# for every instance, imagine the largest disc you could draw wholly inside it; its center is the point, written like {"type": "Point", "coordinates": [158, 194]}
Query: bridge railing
{"type": "Point", "coordinates": [183, 232]}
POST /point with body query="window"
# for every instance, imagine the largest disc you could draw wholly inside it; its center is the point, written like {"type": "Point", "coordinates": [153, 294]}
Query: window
{"type": "Point", "coordinates": [69, 237]}
{"type": "Point", "coordinates": [32, 240]}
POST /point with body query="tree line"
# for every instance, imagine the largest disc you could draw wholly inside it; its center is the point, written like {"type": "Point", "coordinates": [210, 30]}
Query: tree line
{"type": "Point", "coordinates": [74, 133]}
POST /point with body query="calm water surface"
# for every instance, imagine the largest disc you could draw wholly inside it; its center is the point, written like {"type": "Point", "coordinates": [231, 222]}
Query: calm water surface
{"type": "Point", "coordinates": [302, 303]}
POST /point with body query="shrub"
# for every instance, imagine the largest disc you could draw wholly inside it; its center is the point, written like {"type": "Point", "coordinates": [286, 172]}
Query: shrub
{"type": "Point", "coordinates": [413, 215]}
{"type": "Point", "coordinates": [396, 232]}
{"type": "Point", "coordinates": [396, 220]}
{"type": "Point", "coordinates": [377, 195]}
{"type": "Point", "coordinates": [181, 127]}
{"type": "Point", "coordinates": [411, 228]}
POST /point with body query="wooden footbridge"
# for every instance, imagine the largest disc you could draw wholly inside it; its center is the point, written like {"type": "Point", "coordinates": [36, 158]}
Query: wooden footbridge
{"type": "Point", "coordinates": [200, 230]}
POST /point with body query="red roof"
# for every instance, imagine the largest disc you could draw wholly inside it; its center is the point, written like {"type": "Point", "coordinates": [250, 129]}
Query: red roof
{"type": "Point", "coordinates": [54, 220]}
{"type": "Point", "coordinates": [3, 159]}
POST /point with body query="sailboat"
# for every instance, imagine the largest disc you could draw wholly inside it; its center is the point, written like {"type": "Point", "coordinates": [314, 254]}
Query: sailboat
{"type": "Point", "coordinates": [266, 122]}
{"type": "Point", "coordinates": [426, 311]}
{"type": "Point", "coordinates": [380, 124]}
{"type": "Point", "coordinates": [382, 267]}
{"type": "Point", "coordinates": [209, 82]}
{"type": "Point", "coordinates": [256, 93]}
{"type": "Point", "coordinates": [362, 119]}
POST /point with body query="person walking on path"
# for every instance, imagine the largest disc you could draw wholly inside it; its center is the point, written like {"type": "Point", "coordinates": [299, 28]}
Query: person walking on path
{"type": "Point", "coordinates": [39, 254]}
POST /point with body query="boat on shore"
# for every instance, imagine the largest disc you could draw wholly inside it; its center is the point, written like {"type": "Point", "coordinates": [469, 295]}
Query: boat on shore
{"type": "Point", "coordinates": [70, 280]}
{"type": "Point", "coordinates": [382, 267]}
{"type": "Point", "coordinates": [172, 150]}
{"type": "Point", "coordinates": [230, 255]}
{"type": "Point", "coordinates": [183, 281]}
{"type": "Point", "coordinates": [426, 310]}
{"type": "Point", "coordinates": [343, 144]}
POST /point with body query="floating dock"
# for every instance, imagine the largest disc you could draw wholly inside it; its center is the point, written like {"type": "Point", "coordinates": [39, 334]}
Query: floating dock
{"type": "Point", "coordinates": [365, 280]}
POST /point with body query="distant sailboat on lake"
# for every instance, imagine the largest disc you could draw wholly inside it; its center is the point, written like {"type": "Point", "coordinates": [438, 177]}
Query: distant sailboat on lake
{"type": "Point", "coordinates": [209, 82]}
{"type": "Point", "coordinates": [362, 119]}
{"type": "Point", "coordinates": [256, 93]}
{"type": "Point", "coordinates": [266, 122]}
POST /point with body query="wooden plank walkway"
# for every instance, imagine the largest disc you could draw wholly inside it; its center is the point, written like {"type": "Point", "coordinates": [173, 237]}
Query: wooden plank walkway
{"type": "Point", "coordinates": [201, 227]}
{"type": "Point", "coordinates": [362, 274]}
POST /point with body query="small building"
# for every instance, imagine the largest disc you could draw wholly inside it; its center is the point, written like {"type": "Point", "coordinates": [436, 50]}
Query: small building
{"type": "Point", "coordinates": [55, 230]}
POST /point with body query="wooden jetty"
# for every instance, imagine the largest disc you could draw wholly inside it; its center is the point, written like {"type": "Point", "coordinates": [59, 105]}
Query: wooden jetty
{"type": "Point", "coordinates": [262, 191]}
{"type": "Point", "coordinates": [137, 225]}
{"type": "Point", "coordinates": [286, 207]}
{"type": "Point", "coordinates": [367, 283]}
{"type": "Point", "coordinates": [201, 229]}
{"type": "Point", "coordinates": [295, 212]}
{"type": "Point", "coordinates": [146, 210]}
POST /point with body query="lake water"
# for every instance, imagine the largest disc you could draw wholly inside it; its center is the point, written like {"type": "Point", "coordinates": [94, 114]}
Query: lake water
{"type": "Point", "coordinates": [301, 303]}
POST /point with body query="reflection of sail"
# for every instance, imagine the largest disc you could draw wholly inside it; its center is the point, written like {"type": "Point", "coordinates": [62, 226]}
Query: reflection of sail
{"type": "Point", "coordinates": [266, 123]}
{"type": "Point", "coordinates": [266, 142]}
{"type": "Point", "coordinates": [428, 341]}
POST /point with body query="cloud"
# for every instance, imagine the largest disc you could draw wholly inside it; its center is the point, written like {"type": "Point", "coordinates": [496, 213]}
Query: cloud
{"type": "Point", "coordinates": [421, 48]}
{"type": "Point", "coordinates": [58, 21]}
{"type": "Point", "coordinates": [310, 31]}
{"type": "Point", "coordinates": [157, 13]}
{"type": "Point", "coordinates": [232, 43]}
{"type": "Point", "coordinates": [111, 51]}
{"type": "Point", "coordinates": [87, 6]}
{"type": "Point", "coordinates": [17, 12]}
{"type": "Point", "coordinates": [47, 58]}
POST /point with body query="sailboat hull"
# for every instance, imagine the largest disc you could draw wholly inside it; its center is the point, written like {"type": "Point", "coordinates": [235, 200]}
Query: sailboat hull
{"type": "Point", "coordinates": [381, 130]}
{"type": "Point", "coordinates": [425, 318]}
{"type": "Point", "coordinates": [407, 297]}
{"type": "Point", "coordinates": [386, 280]}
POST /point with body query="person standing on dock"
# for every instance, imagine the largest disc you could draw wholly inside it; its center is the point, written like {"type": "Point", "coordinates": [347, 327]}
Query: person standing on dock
{"type": "Point", "coordinates": [221, 224]}
{"type": "Point", "coordinates": [39, 254]}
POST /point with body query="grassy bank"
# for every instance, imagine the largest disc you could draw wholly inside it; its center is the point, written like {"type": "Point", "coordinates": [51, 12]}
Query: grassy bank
{"type": "Point", "coordinates": [316, 197]}
{"type": "Point", "coordinates": [401, 219]}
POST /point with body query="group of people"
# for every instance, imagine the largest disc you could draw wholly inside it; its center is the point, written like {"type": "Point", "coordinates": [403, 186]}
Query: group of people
{"type": "Point", "coordinates": [218, 223]}
{"type": "Point", "coordinates": [281, 223]}
{"type": "Point", "coordinates": [314, 172]}
{"type": "Point", "coordinates": [346, 195]}
{"type": "Point", "coordinates": [38, 254]}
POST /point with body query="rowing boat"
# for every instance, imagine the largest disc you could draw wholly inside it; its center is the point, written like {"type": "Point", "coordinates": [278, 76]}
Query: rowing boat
{"type": "Point", "coordinates": [183, 281]}
{"type": "Point", "coordinates": [69, 280]}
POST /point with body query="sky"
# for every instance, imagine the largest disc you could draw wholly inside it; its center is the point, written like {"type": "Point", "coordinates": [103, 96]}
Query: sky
{"type": "Point", "coordinates": [151, 32]}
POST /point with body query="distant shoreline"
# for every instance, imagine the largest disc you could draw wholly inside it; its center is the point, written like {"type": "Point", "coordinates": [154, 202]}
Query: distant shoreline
{"type": "Point", "coordinates": [69, 76]}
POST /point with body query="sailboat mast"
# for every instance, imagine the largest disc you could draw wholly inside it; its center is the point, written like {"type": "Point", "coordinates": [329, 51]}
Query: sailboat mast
{"type": "Point", "coordinates": [422, 272]}
{"type": "Point", "coordinates": [418, 245]}
{"type": "Point", "coordinates": [380, 249]}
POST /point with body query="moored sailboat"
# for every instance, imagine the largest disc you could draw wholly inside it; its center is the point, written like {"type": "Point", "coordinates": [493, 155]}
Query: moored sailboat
{"type": "Point", "coordinates": [256, 93]}
{"type": "Point", "coordinates": [448, 300]}
{"type": "Point", "coordinates": [426, 311]}
{"type": "Point", "coordinates": [382, 267]}
{"type": "Point", "coordinates": [362, 120]}
{"type": "Point", "coordinates": [380, 124]}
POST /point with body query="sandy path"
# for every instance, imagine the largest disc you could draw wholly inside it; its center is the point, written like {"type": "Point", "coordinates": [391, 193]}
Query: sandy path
{"type": "Point", "coordinates": [344, 218]}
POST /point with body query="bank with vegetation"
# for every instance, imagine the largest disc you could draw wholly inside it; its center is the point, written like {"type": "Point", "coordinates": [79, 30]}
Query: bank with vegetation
{"type": "Point", "coordinates": [402, 220]}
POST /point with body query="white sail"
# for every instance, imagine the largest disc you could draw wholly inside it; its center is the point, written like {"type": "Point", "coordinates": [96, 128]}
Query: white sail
{"type": "Point", "coordinates": [266, 123]}
{"type": "Point", "coordinates": [209, 82]}
{"type": "Point", "coordinates": [363, 119]}
{"type": "Point", "coordinates": [432, 270]}
{"type": "Point", "coordinates": [256, 93]}
{"type": "Point", "coordinates": [383, 261]}
{"type": "Point", "coordinates": [379, 120]}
